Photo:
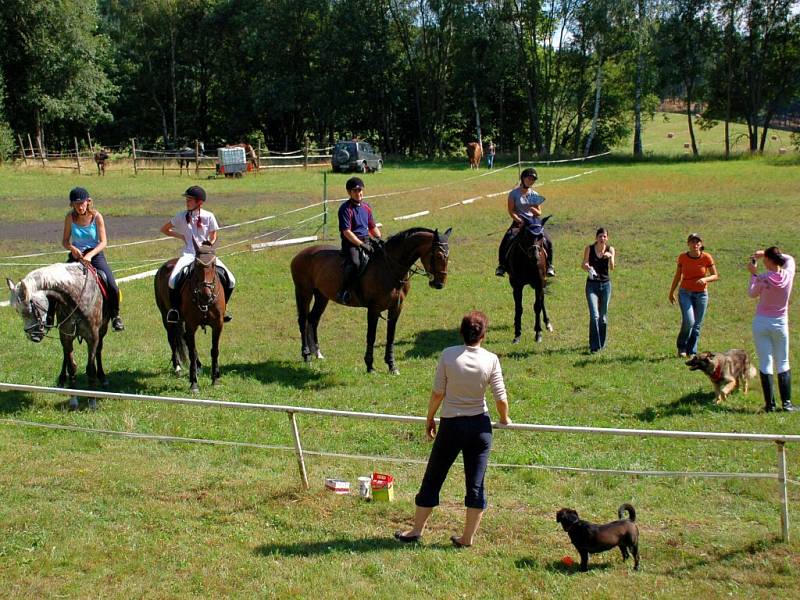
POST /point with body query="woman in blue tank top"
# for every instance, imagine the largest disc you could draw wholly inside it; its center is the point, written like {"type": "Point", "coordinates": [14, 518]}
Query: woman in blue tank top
{"type": "Point", "coordinates": [85, 238]}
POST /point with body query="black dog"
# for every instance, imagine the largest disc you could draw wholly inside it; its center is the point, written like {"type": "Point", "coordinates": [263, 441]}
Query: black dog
{"type": "Point", "coordinates": [589, 538]}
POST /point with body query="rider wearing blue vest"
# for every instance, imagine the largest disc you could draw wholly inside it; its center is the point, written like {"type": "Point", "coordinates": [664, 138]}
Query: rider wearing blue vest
{"type": "Point", "coordinates": [523, 200]}
{"type": "Point", "coordinates": [356, 225]}
{"type": "Point", "coordinates": [85, 238]}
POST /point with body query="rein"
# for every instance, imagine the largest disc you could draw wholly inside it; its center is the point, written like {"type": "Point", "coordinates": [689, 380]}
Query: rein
{"type": "Point", "coordinates": [415, 269]}
{"type": "Point", "coordinates": [199, 300]}
{"type": "Point", "coordinates": [41, 314]}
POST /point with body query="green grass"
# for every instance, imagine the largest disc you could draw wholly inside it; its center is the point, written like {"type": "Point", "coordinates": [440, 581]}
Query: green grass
{"type": "Point", "coordinates": [86, 515]}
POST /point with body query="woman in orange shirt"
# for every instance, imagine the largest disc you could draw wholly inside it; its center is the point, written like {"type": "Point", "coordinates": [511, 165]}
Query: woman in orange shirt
{"type": "Point", "coordinates": [696, 269]}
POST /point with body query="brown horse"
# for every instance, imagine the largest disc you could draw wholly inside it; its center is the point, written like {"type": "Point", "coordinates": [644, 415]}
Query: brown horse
{"type": "Point", "coordinates": [202, 305]}
{"type": "Point", "coordinates": [101, 160]}
{"type": "Point", "coordinates": [384, 285]}
{"type": "Point", "coordinates": [474, 155]}
{"type": "Point", "coordinates": [70, 292]}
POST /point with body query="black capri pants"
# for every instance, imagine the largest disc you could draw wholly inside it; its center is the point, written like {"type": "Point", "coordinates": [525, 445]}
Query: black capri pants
{"type": "Point", "coordinates": [471, 436]}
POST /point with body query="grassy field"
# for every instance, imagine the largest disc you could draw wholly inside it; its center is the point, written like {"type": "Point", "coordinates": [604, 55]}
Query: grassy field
{"type": "Point", "coordinates": [86, 515]}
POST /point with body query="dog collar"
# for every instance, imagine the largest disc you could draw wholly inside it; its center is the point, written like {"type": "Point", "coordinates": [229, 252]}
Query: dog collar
{"type": "Point", "coordinates": [717, 374]}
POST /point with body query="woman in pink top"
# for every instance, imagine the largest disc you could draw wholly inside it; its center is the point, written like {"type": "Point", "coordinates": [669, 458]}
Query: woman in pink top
{"type": "Point", "coordinates": [462, 376]}
{"type": "Point", "coordinates": [771, 322]}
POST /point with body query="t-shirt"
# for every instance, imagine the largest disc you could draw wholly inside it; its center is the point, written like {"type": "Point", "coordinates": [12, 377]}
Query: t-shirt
{"type": "Point", "coordinates": [693, 269]}
{"type": "Point", "coordinates": [523, 200]}
{"type": "Point", "coordinates": [463, 373]}
{"type": "Point", "coordinates": [357, 218]}
{"type": "Point", "coordinates": [773, 289]}
{"type": "Point", "coordinates": [201, 224]}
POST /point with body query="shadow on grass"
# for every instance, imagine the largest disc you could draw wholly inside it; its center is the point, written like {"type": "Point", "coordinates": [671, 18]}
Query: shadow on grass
{"type": "Point", "coordinates": [750, 549]}
{"type": "Point", "coordinates": [432, 342]}
{"type": "Point", "coordinates": [557, 566]}
{"type": "Point", "coordinates": [12, 401]}
{"type": "Point", "coordinates": [289, 373]}
{"type": "Point", "coordinates": [687, 406]}
{"type": "Point", "coordinates": [628, 359]}
{"type": "Point", "coordinates": [344, 545]}
{"type": "Point", "coordinates": [535, 351]}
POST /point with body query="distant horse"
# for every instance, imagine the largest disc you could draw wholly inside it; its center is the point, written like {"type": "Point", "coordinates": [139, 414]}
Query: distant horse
{"type": "Point", "coordinates": [317, 274]}
{"type": "Point", "coordinates": [186, 156]}
{"type": "Point", "coordinates": [474, 154]}
{"type": "Point", "coordinates": [527, 265]}
{"type": "Point", "coordinates": [202, 305]}
{"type": "Point", "coordinates": [70, 292]}
{"type": "Point", "coordinates": [101, 160]}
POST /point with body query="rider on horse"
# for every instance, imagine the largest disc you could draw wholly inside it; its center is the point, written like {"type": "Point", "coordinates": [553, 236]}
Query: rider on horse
{"type": "Point", "coordinates": [85, 238]}
{"type": "Point", "coordinates": [195, 226]}
{"type": "Point", "coordinates": [356, 226]}
{"type": "Point", "coordinates": [523, 200]}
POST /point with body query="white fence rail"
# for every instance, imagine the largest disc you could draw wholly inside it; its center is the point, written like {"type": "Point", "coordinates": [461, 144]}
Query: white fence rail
{"type": "Point", "coordinates": [780, 440]}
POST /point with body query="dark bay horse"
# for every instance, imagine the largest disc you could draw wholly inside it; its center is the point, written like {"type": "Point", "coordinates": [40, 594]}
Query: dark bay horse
{"type": "Point", "coordinates": [70, 292]}
{"type": "Point", "coordinates": [527, 265]}
{"type": "Point", "coordinates": [317, 275]}
{"type": "Point", "coordinates": [186, 156]}
{"type": "Point", "coordinates": [202, 305]}
{"type": "Point", "coordinates": [101, 160]}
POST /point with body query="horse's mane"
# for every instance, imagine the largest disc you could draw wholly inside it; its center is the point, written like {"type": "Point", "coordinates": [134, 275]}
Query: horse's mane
{"type": "Point", "coordinates": [59, 275]}
{"type": "Point", "coordinates": [407, 233]}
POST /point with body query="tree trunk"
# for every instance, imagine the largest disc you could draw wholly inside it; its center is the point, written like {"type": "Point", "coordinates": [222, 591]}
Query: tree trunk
{"type": "Point", "coordinates": [477, 115]}
{"type": "Point", "coordinates": [637, 104]}
{"type": "Point", "coordinates": [597, 87]}
{"type": "Point", "coordinates": [172, 83]}
{"type": "Point", "coordinates": [764, 129]}
{"type": "Point", "coordinates": [689, 117]}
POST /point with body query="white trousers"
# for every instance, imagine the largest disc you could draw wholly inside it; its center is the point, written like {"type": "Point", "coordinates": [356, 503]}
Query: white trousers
{"type": "Point", "coordinates": [771, 336]}
{"type": "Point", "coordinates": [186, 259]}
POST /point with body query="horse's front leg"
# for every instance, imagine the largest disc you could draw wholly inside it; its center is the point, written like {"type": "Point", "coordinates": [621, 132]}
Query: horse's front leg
{"type": "Point", "coordinates": [391, 327]}
{"type": "Point", "coordinates": [216, 332]}
{"type": "Point", "coordinates": [546, 319]}
{"type": "Point", "coordinates": [538, 305]}
{"type": "Point", "coordinates": [188, 336]}
{"type": "Point", "coordinates": [303, 303]}
{"type": "Point", "coordinates": [372, 326]}
{"type": "Point", "coordinates": [517, 291]}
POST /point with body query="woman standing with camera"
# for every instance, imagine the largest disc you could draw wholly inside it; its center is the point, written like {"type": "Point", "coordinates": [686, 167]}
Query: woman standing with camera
{"type": "Point", "coordinates": [771, 322]}
{"type": "Point", "coordinates": [598, 259]}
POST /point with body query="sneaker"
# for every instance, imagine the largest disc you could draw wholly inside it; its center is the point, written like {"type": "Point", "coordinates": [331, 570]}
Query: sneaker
{"type": "Point", "coordinates": [343, 296]}
{"type": "Point", "coordinates": [682, 354]}
{"type": "Point", "coordinates": [227, 318]}
{"type": "Point", "coordinates": [117, 324]}
{"type": "Point", "coordinates": [173, 316]}
{"type": "Point", "coordinates": [551, 272]}
{"type": "Point", "coordinates": [499, 271]}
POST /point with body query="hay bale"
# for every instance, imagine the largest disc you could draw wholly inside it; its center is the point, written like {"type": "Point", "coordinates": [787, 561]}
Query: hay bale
{"type": "Point", "coordinates": [686, 145]}
{"type": "Point", "coordinates": [774, 138]}
{"type": "Point", "coordinates": [670, 135]}
{"type": "Point", "coordinates": [781, 150]}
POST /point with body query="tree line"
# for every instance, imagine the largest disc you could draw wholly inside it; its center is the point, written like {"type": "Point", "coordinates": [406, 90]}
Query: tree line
{"type": "Point", "coordinates": [415, 77]}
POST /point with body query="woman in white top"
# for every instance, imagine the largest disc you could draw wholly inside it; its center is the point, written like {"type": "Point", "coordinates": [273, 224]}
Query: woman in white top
{"type": "Point", "coordinates": [462, 376]}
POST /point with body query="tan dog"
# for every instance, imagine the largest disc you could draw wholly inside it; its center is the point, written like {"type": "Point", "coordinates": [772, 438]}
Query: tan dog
{"type": "Point", "coordinates": [726, 370]}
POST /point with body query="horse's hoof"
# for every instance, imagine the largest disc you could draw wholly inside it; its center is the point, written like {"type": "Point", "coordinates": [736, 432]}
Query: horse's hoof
{"type": "Point", "coordinates": [549, 327]}
{"type": "Point", "coordinates": [195, 389]}
{"type": "Point", "coordinates": [319, 355]}
{"type": "Point", "coordinates": [73, 403]}
{"type": "Point", "coordinates": [538, 338]}
{"type": "Point", "coordinates": [515, 340]}
{"type": "Point", "coordinates": [92, 403]}
{"type": "Point", "coordinates": [394, 371]}
{"type": "Point", "coordinates": [370, 370]}
{"type": "Point", "coordinates": [307, 358]}
{"type": "Point", "coordinates": [105, 383]}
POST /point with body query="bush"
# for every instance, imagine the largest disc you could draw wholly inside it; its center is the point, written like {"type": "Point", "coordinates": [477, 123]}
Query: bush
{"type": "Point", "coordinates": [7, 144]}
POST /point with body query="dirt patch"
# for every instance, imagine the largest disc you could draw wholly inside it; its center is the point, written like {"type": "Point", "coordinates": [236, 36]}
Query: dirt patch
{"type": "Point", "coordinates": [118, 228]}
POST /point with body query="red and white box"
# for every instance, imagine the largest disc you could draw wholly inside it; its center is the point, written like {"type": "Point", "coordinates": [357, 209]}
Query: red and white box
{"type": "Point", "coordinates": [337, 486]}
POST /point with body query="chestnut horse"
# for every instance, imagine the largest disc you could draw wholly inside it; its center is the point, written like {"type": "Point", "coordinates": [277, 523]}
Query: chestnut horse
{"type": "Point", "coordinates": [70, 292]}
{"type": "Point", "coordinates": [527, 265]}
{"type": "Point", "coordinates": [384, 285]}
{"type": "Point", "coordinates": [474, 154]}
{"type": "Point", "coordinates": [202, 305]}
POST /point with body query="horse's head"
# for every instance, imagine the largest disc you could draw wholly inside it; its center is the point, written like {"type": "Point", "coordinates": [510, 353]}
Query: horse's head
{"type": "Point", "coordinates": [32, 306]}
{"type": "Point", "coordinates": [204, 281]}
{"type": "Point", "coordinates": [531, 237]}
{"type": "Point", "coordinates": [435, 261]}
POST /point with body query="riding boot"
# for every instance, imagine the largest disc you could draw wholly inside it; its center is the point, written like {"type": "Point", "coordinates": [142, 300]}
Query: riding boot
{"type": "Point", "coordinates": [769, 392]}
{"type": "Point", "coordinates": [343, 295]}
{"type": "Point", "coordinates": [228, 291]}
{"type": "Point", "coordinates": [551, 272]}
{"type": "Point", "coordinates": [116, 320]}
{"type": "Point", "coordinates": [502, 257]}
{"type": "Point", "coordinates": [173, 314]}
{"type": "Point", "coordinates": [785, 389]}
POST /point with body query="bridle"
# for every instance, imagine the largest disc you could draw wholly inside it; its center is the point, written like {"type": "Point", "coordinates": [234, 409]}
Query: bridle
{"type": "Point", "coordinates": [40, 327]}
{"type": "Point", "coordinates": [438, 247]}
{"type": "Point", "coordinates": [204, 293]}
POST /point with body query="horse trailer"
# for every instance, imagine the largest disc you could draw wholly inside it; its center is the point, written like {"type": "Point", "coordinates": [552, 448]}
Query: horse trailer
{"type": "Point", "coordinates": [231, 161]}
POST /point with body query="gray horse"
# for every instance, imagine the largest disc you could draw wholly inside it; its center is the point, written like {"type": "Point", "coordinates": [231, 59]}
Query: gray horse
{"type": "Point", "coordinates": [66, 296]}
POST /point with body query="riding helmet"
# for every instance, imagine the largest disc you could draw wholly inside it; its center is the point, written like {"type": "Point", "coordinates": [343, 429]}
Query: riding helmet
{"type": "Point", "coordinates": [78, 194]}
{"type": "Point", "coordinates": [354, 183]}
{"type": "Point", "coordinates": [529, 172]}
{"type": "Point", "coordinates": [196, 192]}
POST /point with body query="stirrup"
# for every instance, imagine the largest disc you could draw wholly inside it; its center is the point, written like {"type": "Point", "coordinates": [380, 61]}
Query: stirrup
{"type": "Point", "coordinates": [343, 296]}
{"type": "Point", "coordinates": [551, 272]}
{"type": "Point", "coordinates": [499, 271]}
{"type": "Point", "coordinates": [117, 324]}
{"type": "Point", "coordinates": [173, 316]}
{"type": "Point", "coordinates": [227, 318]}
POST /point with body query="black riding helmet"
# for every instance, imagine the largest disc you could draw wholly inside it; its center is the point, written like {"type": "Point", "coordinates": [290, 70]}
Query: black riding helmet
{"type": "Point", "coordinates": [354, 183]}
{"type": "Point", "coordinates": [529, 172]}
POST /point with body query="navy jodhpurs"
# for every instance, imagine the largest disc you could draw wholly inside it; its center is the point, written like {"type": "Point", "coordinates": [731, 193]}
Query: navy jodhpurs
{"type": "Point", "coordinates": [471, 436]}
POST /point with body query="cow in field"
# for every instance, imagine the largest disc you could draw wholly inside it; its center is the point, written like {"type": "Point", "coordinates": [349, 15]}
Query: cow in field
{"type": "Point", "coordinates": [474, 153]}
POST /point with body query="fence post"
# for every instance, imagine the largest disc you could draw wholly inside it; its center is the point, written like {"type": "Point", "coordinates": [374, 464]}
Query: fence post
{"type": "Point", "coordinates": [133, 145]}
{"type": "Point", "coordinates": [30, 143]}
{"type": "Point", "coordinates": [305, 155]}
{"type": "Point", "coordinates": [77, 155]}
{"type": "Point", "coordinates": [324, 205]}
{"type": "Point", "coordinates": [197, 158]}
{"type": "Point", "coordinates": [91, 143]}
{"type": "Point", "coordinates": [258, 157]}
{"type": "Point", "coordinates": [519, 160]}
{"type": "Point", "coordinates": [783, 490]}
{"type": "Point", "coordinates": [41, 150]}
{"type": "Point", "coordinates": [22, 147]}
{"type": "Point", "coordinates": [299, 449]}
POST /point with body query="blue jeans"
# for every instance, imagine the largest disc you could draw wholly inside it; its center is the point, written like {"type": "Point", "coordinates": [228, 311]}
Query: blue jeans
{"type": "Point", "coordinates": [693, 310]}
{"type": "Point", "coordinates": [598, 295]}
{"type": "Point", "coordinates": [490, 160]}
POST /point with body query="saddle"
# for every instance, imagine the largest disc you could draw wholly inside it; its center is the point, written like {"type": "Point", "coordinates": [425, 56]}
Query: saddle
{"type": "Point", "coordinates": [99, 276]}
{"type": "Point", "coordinates": [363, 262]}
{"type": "Point", "coordinates": [186, 271]}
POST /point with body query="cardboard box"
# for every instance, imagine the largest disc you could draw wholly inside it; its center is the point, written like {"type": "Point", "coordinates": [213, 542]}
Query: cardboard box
{"type": "Point", "coordinates": [382, 487]}
{"type": "Point", "coordinates": [337, 486]}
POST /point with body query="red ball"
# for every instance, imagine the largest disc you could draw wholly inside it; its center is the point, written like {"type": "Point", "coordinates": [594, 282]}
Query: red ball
{"type": "Point", "coordinates": [567, 560]}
